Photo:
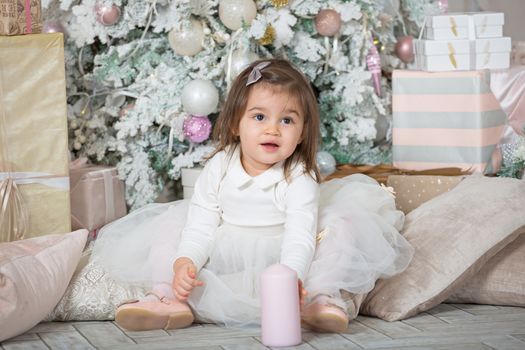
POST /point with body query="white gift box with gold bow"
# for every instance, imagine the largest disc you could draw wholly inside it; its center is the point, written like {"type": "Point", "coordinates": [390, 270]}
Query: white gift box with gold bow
{"type": "Point", "coordinates": [468, 25]}
{"type": "Point", "coordinates": [452, 55]}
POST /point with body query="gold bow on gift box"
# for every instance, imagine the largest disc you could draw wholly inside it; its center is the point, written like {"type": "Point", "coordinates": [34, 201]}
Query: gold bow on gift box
{"type": "Point", "coordinates": [13, 214]}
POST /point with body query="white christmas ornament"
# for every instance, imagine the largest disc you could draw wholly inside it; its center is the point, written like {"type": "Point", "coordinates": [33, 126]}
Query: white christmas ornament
{"type": "Point", "coordinates": [200, 97]}
{"type": "Point", "coordinates": [187, 41]}
{"type": "Point", "coordinates": [233, 12]}
{"type": "Point", "coordinates": [240, 59]}
{"type": "Point", "coordinates": [326, 163]}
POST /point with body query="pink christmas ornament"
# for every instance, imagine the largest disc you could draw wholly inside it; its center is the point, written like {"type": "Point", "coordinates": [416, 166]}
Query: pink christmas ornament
{"type": "Point", "coordinates": [328, 22]}
{"type": "Point", "coordinates": [52, 27]}
{"type": "Point", "coordinates": [373, 62]}
{"type": "Point", "coordinates": [404, 49]}
{"type": "Point", "coordinates": [107, 15]}
{"type": "Point", "coordinates": [197, 128]}
{"type": "Point", "coordinates": [443, 5]}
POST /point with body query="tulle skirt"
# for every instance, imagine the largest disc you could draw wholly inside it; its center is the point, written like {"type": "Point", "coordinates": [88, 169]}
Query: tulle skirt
{"type": "Point", "coordinates": [359, 242]}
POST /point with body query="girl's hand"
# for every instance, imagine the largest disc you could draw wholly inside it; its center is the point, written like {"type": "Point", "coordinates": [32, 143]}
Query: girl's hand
{"type": "Point", "coordinates": [302, 294]}
{"type": "Point", "coordinates": [185, 278]}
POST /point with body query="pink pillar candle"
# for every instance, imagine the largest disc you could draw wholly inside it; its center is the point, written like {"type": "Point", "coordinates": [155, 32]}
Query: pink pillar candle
{"type": "Point", "coordinates": [280, 310]}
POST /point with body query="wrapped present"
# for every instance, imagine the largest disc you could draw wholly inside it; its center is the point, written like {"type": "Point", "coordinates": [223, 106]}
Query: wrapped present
{"type": "Point", "coordinates": [413, 190]}
{"type": "Point", "coordinates": [97, 196]}
{"type": "Point", "coordinates": [34, 182]}
{"type": "Point", "coordinates": [448, 119]}
{"type": "Point", "coordinates": [20, 17]}
{"type": "Point", "coordinates": [471, 25]}
{"type": "Point", "coordinates": [451, 55]}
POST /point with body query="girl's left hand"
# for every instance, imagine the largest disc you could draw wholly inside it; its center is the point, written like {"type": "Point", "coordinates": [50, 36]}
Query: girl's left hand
{"type": "Point", "coordinates": [302, 294]}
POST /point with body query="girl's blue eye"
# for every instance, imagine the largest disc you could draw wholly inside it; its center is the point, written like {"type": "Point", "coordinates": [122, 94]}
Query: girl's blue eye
{"type": "Point", "coordinates": [259, 117]}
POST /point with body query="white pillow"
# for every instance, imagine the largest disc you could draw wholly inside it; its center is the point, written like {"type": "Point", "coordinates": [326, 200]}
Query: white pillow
{"type": "Point", "coordinates": [34, 273]}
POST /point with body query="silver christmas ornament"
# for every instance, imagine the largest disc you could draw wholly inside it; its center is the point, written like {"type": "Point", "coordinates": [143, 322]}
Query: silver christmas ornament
{"type": "Point", "coordinates": [326, 163]}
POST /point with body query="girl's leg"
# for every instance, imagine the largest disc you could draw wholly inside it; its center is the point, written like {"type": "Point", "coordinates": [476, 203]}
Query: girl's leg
{"type": "Point", "coordinates": [326, 314]}
{"type": "Point", "coordinates": [161, 258]}
{"type": "Point", "coordinates": [156, 312]}
{"type": "Point", "coordinates": [159, 309]}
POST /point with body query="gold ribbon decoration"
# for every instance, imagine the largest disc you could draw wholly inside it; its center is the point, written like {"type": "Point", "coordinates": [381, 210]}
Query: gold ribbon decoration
{"type": "Point", "coordinates": [452, 55]}
{"type": "Point", "coordinates": [484, 23]}
{"type": "Point", "coordinates": [486, 51]}
{"type": "Point", "coordinates": [14, 218]}
{"type": "Point", "coordinates": [453, 26]}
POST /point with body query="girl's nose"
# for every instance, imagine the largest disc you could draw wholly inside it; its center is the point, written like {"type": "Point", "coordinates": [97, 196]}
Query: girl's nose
{"type": "Point", "coordinates": [272, 129]}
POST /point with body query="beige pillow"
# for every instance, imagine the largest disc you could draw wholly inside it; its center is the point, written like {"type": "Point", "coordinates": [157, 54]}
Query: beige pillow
{"type": "Point", "coordinates": [34, 273]}
{"type": "Point", "coordinates": [413, 190]}
{"type": "Point", "coordinates": [500, 282]}
{"type": "Point", "coordinates": [92, 294]}
{"type": "Point", "coordinates": [454, 235]}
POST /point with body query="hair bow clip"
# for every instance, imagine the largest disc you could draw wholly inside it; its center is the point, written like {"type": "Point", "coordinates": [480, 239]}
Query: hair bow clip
{"type": "Point", "coordinates": [255, 74]}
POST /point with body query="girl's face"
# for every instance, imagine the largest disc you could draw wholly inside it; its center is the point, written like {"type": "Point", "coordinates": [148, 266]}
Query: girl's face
{"type": "Point", "coordinates": [270, 128]}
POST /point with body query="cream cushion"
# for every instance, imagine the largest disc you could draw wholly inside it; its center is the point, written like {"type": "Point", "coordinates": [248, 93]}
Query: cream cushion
{"type": "Point", "coordinates": [413, 190]}
{"type": "Point", "coordinates": [93, 294]}
{"type": "Point", "coordinates": [454, 235]}
{"type": "Point", "coordinates": [34, 273]}
{"type": "Point", "coordinates": [500, 282]}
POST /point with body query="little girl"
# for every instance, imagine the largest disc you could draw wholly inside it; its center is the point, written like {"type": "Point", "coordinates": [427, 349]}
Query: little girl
{"type": "Point", "coordinates": [258, 202]}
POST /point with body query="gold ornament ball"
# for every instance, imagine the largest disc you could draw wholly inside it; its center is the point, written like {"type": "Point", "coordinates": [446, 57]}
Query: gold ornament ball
{"type": "Point", "coordinates": [328, 22]}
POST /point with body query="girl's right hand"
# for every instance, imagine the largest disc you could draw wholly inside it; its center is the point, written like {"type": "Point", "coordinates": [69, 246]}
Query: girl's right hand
{"type": "Point", "coordinates": [302, 294]}
{"type": "Point", "coordinates": [185, 278]}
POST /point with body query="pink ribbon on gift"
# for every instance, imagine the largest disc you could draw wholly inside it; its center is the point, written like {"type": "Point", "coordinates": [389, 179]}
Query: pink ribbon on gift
{"type": "Point", "coordinates": [29, 21]}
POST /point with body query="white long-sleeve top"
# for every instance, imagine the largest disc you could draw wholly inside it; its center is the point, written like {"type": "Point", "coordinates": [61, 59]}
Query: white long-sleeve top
{"type": "Point", "coordinates": [225, 193]}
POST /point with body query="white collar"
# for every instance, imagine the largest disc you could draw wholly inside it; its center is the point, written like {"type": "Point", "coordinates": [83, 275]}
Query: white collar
{"type": "Point", "coordinates": [240, 177]}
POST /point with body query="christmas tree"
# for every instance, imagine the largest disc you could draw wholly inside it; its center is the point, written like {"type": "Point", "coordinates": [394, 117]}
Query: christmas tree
{"type": "Point", "coordinates": [144, 77]}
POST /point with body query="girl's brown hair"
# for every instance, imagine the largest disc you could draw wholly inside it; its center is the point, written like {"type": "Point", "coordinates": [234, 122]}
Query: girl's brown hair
{"type": "Point", "coordinates": [279, 74]}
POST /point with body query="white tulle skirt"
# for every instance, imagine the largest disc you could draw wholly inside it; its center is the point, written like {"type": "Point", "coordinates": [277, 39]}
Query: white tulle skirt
{"type": "Point", "coordinates": [360, 242]}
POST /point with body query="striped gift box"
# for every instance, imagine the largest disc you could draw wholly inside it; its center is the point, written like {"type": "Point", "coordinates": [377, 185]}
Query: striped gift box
{"type": "Point", "coordinates": [446, 119]}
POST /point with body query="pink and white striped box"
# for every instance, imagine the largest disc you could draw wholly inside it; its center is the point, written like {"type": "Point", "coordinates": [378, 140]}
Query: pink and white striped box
{"type": "Point", "coordinates": [445, 119]}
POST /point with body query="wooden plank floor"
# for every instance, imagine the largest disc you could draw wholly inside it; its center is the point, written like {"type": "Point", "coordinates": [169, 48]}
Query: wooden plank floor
{"type": "Point", "coordinates": [447, 326]}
